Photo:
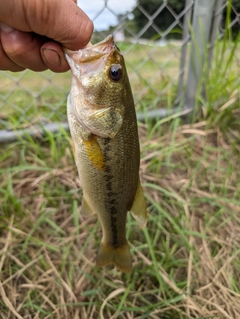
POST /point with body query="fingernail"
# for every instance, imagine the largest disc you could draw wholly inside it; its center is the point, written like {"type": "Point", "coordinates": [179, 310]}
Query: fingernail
{"type": "Point", "coordinates": [6, 28]}
{"type": "Point", "coordinates": [51, 56]}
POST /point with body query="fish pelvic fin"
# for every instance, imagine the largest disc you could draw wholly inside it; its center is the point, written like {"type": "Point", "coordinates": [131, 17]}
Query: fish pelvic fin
{"type": "Point", "coordinates": [86, 208]}
{"type": "Point", "coordinates": [139, 208]}
{"type": "Point", "coordinates": [118, 256]}
{"type": "Point", "coordinates": [74, 150]}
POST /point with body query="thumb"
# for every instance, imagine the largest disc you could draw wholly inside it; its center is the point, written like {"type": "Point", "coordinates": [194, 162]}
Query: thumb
{"type": "Point", "coordinates": [68, 24]}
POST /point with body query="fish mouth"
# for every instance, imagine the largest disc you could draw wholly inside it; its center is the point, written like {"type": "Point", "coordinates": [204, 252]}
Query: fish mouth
{"type": "Point", "coordinates": [92, 52]}
{"type": "Point", "coordinates": [104, 47]}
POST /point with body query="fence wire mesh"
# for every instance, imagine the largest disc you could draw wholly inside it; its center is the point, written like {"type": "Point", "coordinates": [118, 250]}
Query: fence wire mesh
{"type": "Point", "coordinates": [155, 43]}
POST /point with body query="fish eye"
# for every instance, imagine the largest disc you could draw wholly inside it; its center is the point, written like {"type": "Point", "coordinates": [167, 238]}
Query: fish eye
{"type": "Point", "coordinates": [115, 72]}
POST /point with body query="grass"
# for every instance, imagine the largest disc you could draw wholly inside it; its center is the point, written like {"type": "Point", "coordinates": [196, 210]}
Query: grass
{"type": "Point", "coordinates": [186, 261]}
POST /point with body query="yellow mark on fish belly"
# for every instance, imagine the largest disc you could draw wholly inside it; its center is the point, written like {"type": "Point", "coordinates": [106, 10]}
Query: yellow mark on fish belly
{"type": "Point", "coordinates": [94, 153]}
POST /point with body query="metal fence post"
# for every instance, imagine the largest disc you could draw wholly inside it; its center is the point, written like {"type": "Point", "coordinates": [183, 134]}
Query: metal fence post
{"type": "Point", "coordinates": [215, 23]}
{"type": "Point", "coordinates": [185, 40]}
{"type": "Point", "coordinates": [202, 19]}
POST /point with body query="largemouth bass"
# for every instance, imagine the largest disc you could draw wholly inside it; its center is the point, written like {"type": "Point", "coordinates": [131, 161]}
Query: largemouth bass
{"type": "Point", "coordinates": [103, 127]}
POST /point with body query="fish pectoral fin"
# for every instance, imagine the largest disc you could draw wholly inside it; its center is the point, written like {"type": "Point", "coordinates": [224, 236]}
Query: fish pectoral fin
{"type": "Point", "coordinates": [118, 256]}
{"type": "Point", "coordinates": [139, 209]}
{"type": "Point", "coordinates": [86, 209]}
{"type": "Point", "coordinates": [94, 153]}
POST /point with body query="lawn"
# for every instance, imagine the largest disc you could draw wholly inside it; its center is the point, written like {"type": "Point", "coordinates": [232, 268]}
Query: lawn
{"type": "Point", "coordinates": [186, 261]}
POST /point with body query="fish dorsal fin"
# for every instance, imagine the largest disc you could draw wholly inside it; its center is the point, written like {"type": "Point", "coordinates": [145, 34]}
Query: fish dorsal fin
{"type": "Point", "coordinates": [86, 209]}
{"type": "Point", "coordinates": [139, 209]}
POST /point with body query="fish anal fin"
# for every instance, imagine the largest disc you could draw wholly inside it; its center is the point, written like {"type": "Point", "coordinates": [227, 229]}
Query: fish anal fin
{"type": "Point", "coordinates": [118, 256]}
{"type": "Point", "coordinates": [139, 208]}
{"type": "Point", "coordinates": [86, 209]}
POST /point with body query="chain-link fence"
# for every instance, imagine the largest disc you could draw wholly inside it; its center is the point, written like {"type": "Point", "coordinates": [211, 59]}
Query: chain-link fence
{"type": "Point", "coordinates": [154, 36]}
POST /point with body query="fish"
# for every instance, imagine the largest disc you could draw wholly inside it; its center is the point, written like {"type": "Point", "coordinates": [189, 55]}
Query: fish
{"type": "Point", "coordinates": [103, 127]}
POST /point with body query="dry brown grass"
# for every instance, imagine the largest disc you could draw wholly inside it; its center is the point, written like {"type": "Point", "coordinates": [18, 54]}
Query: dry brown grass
{"type": "Point", "coordinates": [186, 263]}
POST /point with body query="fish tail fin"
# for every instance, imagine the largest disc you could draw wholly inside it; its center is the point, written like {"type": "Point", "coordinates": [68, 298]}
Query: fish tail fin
{"type": "Point", "coordinates": [118, 256]}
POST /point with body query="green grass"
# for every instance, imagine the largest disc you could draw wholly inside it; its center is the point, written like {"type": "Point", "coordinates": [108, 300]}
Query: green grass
{"type": "Point", "coordinates": [186, 261]}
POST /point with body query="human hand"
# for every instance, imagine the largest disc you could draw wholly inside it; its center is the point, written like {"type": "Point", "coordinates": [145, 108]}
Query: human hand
{"type": "Point", "coordinates": [32, 33]}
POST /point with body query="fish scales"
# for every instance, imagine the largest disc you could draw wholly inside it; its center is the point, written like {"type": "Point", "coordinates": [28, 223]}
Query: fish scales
{"type": "Point", "coordinates": [103, 127]}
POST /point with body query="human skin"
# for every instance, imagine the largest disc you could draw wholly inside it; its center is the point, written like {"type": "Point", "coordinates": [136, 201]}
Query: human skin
{"type": "Point", "coordinates": [33, 32]}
